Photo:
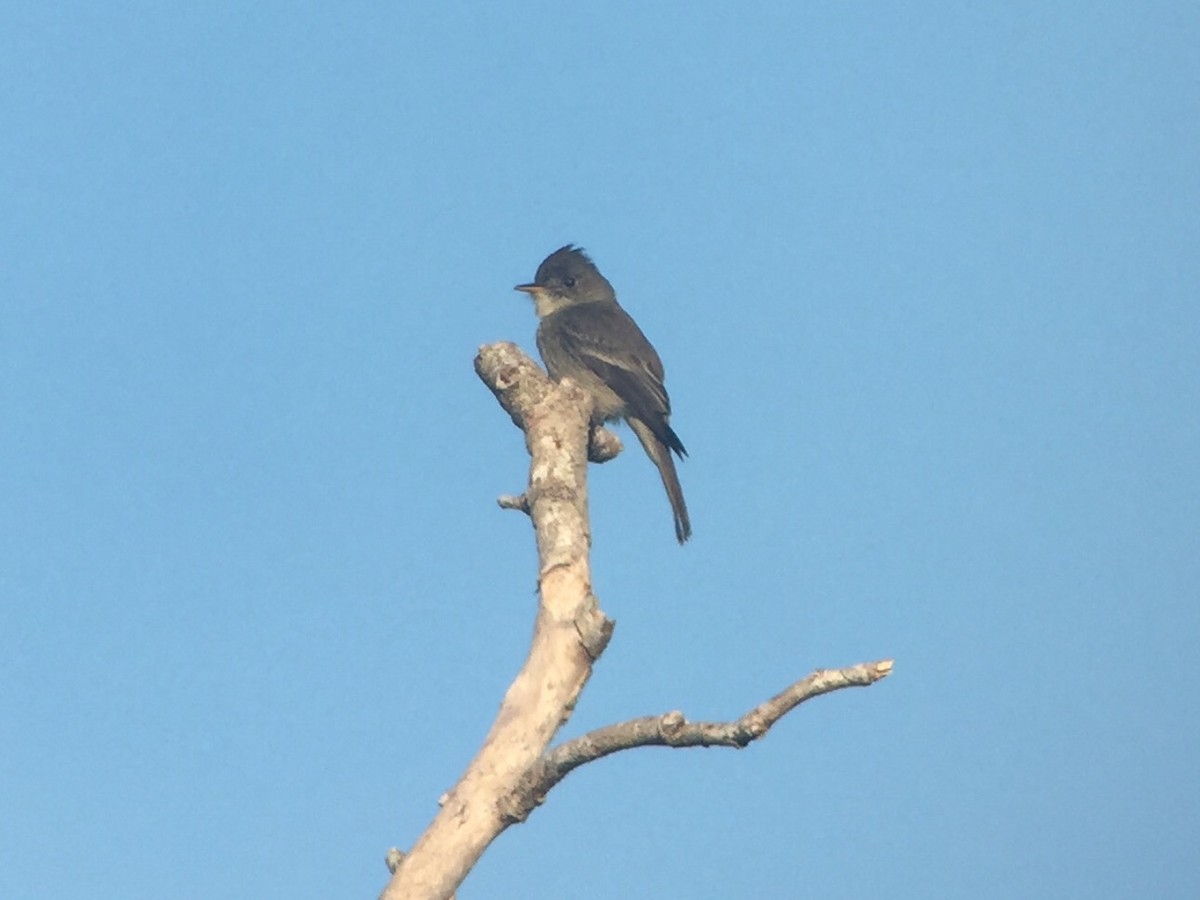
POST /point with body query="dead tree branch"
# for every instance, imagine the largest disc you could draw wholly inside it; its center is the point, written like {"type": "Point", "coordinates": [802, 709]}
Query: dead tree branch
{"type": "Point", "coordinates": [514, 769]}
{"type": "Point", "coordinates": [569, 634]}
{"type": "Point", "coordinates": [672, 729]}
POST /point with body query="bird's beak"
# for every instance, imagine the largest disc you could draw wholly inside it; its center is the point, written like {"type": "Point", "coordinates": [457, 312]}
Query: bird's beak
{"type": "Point", "coordinates": [528, 288]}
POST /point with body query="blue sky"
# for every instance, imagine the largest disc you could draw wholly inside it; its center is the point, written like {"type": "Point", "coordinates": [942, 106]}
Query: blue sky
{"type": "Point", "coordinates": [926, 284]}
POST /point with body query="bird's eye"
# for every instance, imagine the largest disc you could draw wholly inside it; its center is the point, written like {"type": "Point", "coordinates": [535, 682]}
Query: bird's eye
{"type": "Point", "coordinates": [569, 282]}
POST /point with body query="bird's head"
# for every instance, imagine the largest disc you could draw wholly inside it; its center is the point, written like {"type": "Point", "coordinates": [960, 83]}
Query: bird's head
{"type": "Point", "coordinates": [566, 277]}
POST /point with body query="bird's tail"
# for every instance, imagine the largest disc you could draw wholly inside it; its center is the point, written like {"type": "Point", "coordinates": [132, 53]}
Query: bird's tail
{"type": "Point", "coordinates": [660, 455]}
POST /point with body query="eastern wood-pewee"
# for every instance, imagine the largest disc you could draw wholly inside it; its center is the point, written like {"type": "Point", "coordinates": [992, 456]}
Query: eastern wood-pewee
{"type": "Point", "coordinates": [585, 335]}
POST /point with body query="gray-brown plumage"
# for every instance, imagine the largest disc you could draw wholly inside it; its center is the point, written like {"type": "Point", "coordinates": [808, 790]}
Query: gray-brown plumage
{"type": "Point", "coordinates": [585, 335]}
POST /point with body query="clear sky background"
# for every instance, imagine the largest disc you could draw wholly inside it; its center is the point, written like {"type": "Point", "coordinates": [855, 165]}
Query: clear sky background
{"type": "Point", "coordinates": [926, 281]}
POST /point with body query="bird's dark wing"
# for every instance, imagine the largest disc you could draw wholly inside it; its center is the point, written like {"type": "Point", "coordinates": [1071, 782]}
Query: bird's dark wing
{"type": "Point", "coordinates": [605, 338]}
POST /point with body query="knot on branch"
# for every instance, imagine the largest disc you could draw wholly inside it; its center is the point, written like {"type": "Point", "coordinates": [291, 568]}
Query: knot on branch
{"type": "Point", "coordinates": [671, 724]}
{"type": "Point", "coordinates": [594, 627]}
{"type": "Point", "coordinates": [515, 806]}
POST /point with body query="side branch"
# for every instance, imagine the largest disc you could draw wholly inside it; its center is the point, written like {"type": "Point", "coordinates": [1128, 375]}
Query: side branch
{"type": "Point", "coordinates": [673, 730]}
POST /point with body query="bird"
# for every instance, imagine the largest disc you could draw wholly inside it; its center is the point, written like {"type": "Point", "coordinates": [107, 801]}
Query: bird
{"type": "Point", "coordinates": [584, 334]}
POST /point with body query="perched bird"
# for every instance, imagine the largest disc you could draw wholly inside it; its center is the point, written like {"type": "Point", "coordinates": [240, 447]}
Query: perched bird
{"type": "Point", "coordinates": [586, 336]}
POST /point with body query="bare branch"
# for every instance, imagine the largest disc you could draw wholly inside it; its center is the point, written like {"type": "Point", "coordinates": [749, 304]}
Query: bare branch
{"type": "Point", "coordinates": [569, 634]}
{"type": "Point", "coordinates": [514, 770]}
{"type": "Point", "coordinates": [672, 729]}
